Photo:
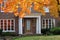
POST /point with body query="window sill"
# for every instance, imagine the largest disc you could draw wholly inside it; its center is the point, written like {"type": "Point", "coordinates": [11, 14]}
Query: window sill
{"type": "Point", "coordinates": [9, 31]}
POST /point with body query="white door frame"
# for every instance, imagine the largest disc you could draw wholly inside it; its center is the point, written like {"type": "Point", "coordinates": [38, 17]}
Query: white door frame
{"type": "Point", "coordinates": [38, 24]}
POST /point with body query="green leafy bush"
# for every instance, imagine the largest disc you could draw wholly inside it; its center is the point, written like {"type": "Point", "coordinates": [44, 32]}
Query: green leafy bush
{"type": "Point", "coordinates": [55, 30]}
{"type": "Point", "coordinates": [45, 31]}
{"type": "Point", "coordinates": [0, 32]}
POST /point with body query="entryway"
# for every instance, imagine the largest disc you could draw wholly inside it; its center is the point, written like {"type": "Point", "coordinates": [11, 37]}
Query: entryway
{"type": "Point", "coordinates": [29, 25]}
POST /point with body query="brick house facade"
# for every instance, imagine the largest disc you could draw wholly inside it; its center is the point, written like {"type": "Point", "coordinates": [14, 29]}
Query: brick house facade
{"type": "Point", "coordinates": [30, 24]}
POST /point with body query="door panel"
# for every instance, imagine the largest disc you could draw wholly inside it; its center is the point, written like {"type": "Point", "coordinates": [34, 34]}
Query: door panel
{"type": "Point", "coordinates": [28, 25]}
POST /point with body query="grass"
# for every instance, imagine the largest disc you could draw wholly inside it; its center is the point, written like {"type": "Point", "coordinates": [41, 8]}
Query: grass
{"type": "Point", "coordinates": [56, 37]}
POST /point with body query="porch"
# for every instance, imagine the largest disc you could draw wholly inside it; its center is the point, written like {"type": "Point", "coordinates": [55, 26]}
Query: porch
{"type": "Point", "coordinates": [27, 26]}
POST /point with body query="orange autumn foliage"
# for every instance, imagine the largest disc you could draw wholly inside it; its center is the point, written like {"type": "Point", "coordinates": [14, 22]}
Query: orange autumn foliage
{"type": "Point", "coordinates": [24, 5]}
{"type": "Point", "coordinates": [54, 8]}
{"type": "Point", "coordinates": [1, 1]}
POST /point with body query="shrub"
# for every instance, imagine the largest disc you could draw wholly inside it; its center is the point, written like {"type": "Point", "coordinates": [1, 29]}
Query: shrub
{"type": "Point", "coordinates": [0, 32]}
{"type": "Point", "coordinates": [55, 30]}
{"type": "Point", "coordinates": [45, 31]}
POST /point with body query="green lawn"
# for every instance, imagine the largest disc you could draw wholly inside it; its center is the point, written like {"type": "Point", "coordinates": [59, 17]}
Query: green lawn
{"type": "Point", "coordinates": [57, 37]}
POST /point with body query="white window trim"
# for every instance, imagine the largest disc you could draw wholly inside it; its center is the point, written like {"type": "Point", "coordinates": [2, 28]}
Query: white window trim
{"type": "Point", "coordinates": [46, 9]}
{"type": "Point", "coordinates": [52, 21]}
{"type": "Point", "coordinates": [7, 25]}
{"type": "Point", "coordinates": [38, 24]}
{"type": "Point", "coordinates": [4, 5]}
{"type": "Point", "coordinates": [1, 7]}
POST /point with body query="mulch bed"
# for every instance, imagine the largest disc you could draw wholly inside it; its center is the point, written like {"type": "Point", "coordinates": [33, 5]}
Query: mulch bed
{"type": "Point", "coordinates": [6, 37]}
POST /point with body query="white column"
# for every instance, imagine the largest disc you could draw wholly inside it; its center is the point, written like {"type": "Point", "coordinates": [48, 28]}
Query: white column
{"type": "Point", "coordinates": [20, 26]}
{"type": "Point", "coordinates": [39, 22]}
{"type": "Point", "coordinates": [54, 22]}
{"type": "Point", "coordinates": [38, 25]}
{"type": "Point", "coordinates": [51, 23]}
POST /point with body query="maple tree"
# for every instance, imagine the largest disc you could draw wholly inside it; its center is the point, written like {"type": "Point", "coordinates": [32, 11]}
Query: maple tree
{"type": "Point", "coordinates": [25, 5]}
{"type": "Point", "coordinates": [54, 8]}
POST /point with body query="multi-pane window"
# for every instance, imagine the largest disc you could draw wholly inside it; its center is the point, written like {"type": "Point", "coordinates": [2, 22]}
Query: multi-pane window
{"type": "Point", "coordinates": [48, 23]}
{"type": "Point", "coordinates": [46, 9]}
{"type": "Point", "coordinates": [3, 4]}
{"type": "Point", "coordinates": [7, 25]}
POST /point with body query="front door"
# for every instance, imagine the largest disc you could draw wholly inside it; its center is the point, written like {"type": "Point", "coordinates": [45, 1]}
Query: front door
{"type": "Point", "coordinates": [29, 26]}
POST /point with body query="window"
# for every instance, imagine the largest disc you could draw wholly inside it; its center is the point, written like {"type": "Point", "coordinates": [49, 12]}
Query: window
{"type": "Point", "coordinates": [28, 25]}
{"type": "Point", "coordinates": [3, 4]}
{"type": "Point", "coordinates": [46, 9]}
{"type": "Point", "coordinates": [48, 23]}
{"type": "Point", "coordinates": [7, 25]}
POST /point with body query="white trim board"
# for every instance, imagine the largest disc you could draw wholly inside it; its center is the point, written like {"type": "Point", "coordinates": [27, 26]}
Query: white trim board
{"type": "Point", "coordinates": [38, 24]}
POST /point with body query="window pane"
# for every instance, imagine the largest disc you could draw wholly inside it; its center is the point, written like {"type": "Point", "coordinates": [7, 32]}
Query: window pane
{"type": "Point", "coordinates": [12, 21]}
{"type": "Point", "coordinates": [49, 26]}
{"type": "Point", "coordinates": [12, 27]}
{"type": "Point", "coordinates": [49, 22]}
{"type": "Point", "coordinates": [2, 24]}
{"type": "Point", "coordinates": [28, 25]}
{"type": "Point", "coordinates": [4, 21]}
{"type": "Point", "coordinates": [43, 26]}
{"type": "Point", "coordinates": [46, 26]}
{"type": "Point", "coordinates": [2, 5]}
{"type": "Point", "coordinates": [1, 21]}
{"type": "Point", "coordinates": [46, 22]}
{"type": "Point", "coordinates": [12, 24]}
{"type": "Point", "coordinates": [5, 25]}
{"type": "Point", "coordinates": [43, 21]}
{"type": "Point", "coordinates": [5, 28]}
{"type": "Point", "coordinates": [46, 9]}
{"type": "Point", "coordinates": [8, 24]}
